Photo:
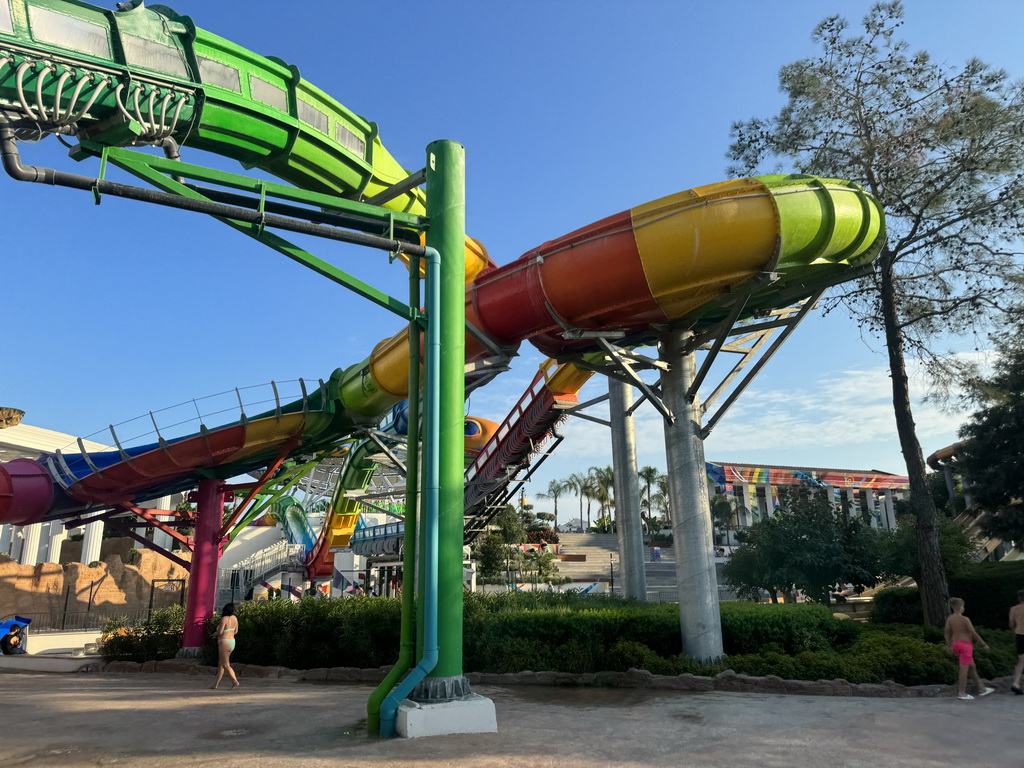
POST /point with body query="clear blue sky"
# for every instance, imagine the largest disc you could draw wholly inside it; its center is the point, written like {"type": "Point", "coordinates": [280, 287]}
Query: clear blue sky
{"type": "Point", "coordinates": [569, 111]}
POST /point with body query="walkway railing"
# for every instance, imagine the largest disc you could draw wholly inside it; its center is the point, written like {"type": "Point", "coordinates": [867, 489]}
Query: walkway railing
{"type": "Point", "coordinates": [249, 572]}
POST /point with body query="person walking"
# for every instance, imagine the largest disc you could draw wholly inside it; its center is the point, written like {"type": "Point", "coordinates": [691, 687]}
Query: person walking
{"type": "Point", "coordinates": [960, 635]}
{"type": "Point", "coordinates": [1017, 625]}
{"type": "Point", "coordinates": [226, 633]}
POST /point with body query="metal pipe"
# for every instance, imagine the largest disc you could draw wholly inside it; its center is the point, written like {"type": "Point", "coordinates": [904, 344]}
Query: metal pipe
{"type": "Point", "coordinates": [407, 644]}
{"type": "Point", "coordinates": [12, 165]}
{"type": "Point", "coordinates": [293, 211]}
{"type": "Point", "coordinates": [431, 495]}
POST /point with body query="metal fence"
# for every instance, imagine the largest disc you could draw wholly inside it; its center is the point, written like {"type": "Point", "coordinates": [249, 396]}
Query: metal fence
{"type": "Point", "coordinates": [79, 621]}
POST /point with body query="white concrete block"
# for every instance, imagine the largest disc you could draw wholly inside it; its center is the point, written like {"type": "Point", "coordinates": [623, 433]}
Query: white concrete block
{"type": "Point", "coordinates": [473, 714]}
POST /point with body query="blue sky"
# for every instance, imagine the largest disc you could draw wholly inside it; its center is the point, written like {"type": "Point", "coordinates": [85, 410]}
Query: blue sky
{"type": "Point", "coordinates": [569, 111]}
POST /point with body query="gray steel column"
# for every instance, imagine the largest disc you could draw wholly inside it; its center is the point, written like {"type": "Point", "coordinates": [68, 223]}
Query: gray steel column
{"type": "Point", "coordinates": [627, 492]}
{"type": "Point", "coordinates": [693, 544]}
{"type": "Point", "coordinates": [30, 549]}
{"type": "Point", "coordinates": [947, 472]}
{"type": "Point", "coordinates": [92, 542]}
{"type": "Point", "coordinates": [6, 539]}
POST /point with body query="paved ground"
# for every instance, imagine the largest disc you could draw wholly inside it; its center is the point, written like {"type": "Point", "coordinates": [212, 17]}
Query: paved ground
{"type": "Point", "coordinates": [159, 721]}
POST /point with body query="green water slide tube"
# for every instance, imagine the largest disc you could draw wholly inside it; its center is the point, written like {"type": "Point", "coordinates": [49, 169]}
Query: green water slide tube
{"type": "Point", "coordinates": [148, 74]}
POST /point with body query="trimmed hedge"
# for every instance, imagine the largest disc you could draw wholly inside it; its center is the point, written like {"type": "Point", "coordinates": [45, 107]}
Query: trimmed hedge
{"type": "Point", "coordinates": [988, 589]}
{"type": "Point", "coordinates": [567, 632]}
{"type": "Point", "coordinates": [158, 638]}
{"type": "Point", "coordinates": [897, 605]}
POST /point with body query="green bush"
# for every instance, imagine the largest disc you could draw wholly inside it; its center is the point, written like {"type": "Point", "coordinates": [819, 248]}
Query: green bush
{"type": "Point", "coordinates": [989, 591]}
{"type": "Point", "coordinates": [897, 605]}
{"type": "Point", "coordinates": [566, 632]}
{"type": "Point", "coordinates": [158, 638]}
{"type": "Point", "coordinates": [1001, 656]}
{"type": "Point", "coordinates": [907, 660]}
{"type": "Point", "coordinates": [790, 629]}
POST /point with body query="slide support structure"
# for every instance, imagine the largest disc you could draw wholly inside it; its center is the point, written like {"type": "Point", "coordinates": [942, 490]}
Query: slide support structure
{"type": "Point", "coordinates": [697, 583]}
{"type": "Point", "coordinates": [446, 210]}
{"type": "Point", "coordinates": [202, 579]}
{"type": "Point", "coordinates": [407, 641]}
{"type": "Point", "coordinates": [627, 490]}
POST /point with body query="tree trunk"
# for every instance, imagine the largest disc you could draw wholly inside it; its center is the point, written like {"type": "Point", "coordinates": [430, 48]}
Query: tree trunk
{"type": "Point", "coordinates": [933, 587]}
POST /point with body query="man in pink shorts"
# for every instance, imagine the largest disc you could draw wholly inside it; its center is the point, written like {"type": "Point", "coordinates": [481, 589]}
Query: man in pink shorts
{"type": "Point", "coordinates": [960, 635]}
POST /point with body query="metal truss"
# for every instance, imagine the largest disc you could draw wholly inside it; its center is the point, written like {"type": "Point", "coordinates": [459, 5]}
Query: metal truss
{"type": "Point", "coordinates": [748, 339]}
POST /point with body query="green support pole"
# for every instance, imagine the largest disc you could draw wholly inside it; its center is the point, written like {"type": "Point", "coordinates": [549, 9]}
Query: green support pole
{"type": "Point", "coordinates": [446, 211]}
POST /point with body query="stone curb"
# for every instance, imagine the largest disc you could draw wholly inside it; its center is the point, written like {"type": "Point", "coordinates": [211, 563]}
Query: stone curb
{"type": "Point", "coordinates": [728, 680]}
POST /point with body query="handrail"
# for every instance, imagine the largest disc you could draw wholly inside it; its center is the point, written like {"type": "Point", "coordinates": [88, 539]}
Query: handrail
{"type": "Point", "coordinates": [259, 564]}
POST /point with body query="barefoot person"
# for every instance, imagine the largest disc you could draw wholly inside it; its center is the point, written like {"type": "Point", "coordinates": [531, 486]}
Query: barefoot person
{"type": "Point", "coordinates": [960, 635]}
{"type": "Point", "coordinates": [1017, 625]}
{"type": "Point", "coordinates": [226, 643]}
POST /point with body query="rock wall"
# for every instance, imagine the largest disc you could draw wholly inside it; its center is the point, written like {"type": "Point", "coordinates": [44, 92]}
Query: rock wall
{"type": "Point", "coordinates": [108, 587]}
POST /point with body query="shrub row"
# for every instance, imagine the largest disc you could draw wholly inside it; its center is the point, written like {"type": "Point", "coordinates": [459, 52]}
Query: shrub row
{"type": "Point", "coordinates": [988, 589]}
{"type": "Point", "coordinates": [542, 631]}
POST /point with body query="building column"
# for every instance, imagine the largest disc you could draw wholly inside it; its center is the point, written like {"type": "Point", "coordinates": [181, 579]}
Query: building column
{"type": "Point", "coordinates": [744, 499]}
{"type": "Point", "coordinates": [850, 496]}
{"type": "Point", "coordinates": [30, 547]}
{"type": "Point", "coordinates": [92, 542]}
{"type": "Point", "coordinates": [58, 535]}
{"type": "Point", "coordinates": [769, 501]}
{"type": "Point", "coordinates": [6, 539]}
{"type": "Point", "coordinates": [888, 509]}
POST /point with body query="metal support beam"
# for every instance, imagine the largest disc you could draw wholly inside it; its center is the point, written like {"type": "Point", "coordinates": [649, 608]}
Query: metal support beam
{"type": "Point", "coordinates": [794, 322]}
{"type": "Point", "coordinates": [405, 185]}
{"type": "Point", "coordinates": [374, 436]}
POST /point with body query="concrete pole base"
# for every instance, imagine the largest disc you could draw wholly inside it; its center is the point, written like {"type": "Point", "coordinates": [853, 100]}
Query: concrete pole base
{"type": "Point", "coordinates": [192, 652]}
{"type": "Point", "coordinates": [472, 714]}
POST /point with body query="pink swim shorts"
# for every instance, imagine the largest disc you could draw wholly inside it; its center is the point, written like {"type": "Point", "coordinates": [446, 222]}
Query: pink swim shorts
{"type": "Point", "coordinates": [964, 649]}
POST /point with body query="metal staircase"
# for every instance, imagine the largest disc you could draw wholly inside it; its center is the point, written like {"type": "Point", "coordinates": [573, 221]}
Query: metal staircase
{"type": "Point", "coordinates": [234, 583]}
{"type": "Point", "coordinates": [514, 453]}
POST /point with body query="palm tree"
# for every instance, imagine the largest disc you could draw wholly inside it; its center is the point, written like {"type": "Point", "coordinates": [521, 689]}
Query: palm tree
{"type": "Point", "coordinates": [725, 514]}
{"type": "Point", "coordinates": [555, 489]}
{"type": "Point", "coordinates": [578, 483]}
{"type": "Point", "coordinates": [648, 476]}
{"type": "Point", "coordinates": [602, 487]}
{"type": "Point", "coordinates": [659, 500]}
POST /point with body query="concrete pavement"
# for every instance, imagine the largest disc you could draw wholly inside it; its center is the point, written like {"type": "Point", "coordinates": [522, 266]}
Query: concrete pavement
{"type": "Point", "coordinates": [165, 721]}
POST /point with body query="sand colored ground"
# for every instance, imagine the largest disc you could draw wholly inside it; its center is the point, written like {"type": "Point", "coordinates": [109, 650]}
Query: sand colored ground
{"type": "Point", "coordinates": [160, 721]}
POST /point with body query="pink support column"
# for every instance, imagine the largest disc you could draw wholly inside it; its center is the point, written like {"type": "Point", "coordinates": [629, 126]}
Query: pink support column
{"type": "Point", "coordinates": [202, 575]}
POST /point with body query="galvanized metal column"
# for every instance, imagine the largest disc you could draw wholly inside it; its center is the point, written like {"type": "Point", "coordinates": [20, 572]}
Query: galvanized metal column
{"type": "Point", "coordinates": [627, 491]}
{"type": "Point", "coordinates": [699, 617]}
{"type": "Point", "coordinates": [446, 210]}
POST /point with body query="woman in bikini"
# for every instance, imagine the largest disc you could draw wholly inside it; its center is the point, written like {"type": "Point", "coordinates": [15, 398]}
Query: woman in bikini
{"type": "Point", "coordinates": [226, 633]}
